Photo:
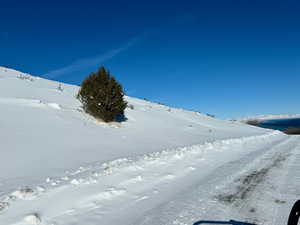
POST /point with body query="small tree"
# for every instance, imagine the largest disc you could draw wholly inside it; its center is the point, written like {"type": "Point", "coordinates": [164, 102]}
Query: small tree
{"type": "Point", "coordinates": [102, 96]}
{"type": "Point", "coordinates": [60, 87]}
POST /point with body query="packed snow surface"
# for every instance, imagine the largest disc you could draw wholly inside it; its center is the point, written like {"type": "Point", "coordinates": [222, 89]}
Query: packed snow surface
{"type": "Point", "coordinates": [161, 165]}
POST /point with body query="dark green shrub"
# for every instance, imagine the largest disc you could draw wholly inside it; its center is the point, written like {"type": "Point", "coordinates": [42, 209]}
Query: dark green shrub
{"type": "Point", "coordinates": [292, 131]}
{"type": "Point", "coordinates": [102, 96]}
{"type": "Point", "coordinates": [253, 122]}
{"type": "Point", "coordinates": [211, 115]}
{"type": "Point", "coordinates": [131, 107]}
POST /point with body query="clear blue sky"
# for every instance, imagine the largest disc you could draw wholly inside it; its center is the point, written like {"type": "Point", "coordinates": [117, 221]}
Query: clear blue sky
{"type": "Point", "coordinates": [229, 58]}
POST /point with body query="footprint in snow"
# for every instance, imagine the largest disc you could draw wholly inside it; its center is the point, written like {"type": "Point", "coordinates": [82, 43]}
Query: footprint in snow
{"type": "Point", "coordinates": [133, 180]}
{"type": "Point", "coordinates": [24, 193]}
{"type": "Point", "coordinates": [142, 198]}
{"type": "Point", "coordinates": [169, 177]}
{"type": "Point", "coordinates": [3, 206]}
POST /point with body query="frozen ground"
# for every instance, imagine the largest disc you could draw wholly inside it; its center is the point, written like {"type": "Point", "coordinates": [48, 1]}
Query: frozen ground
{"type": "Point", "coordinates": [160, 166]}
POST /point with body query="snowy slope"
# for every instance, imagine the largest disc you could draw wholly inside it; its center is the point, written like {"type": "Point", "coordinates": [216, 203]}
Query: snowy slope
{"type": "Point", "coordinates": [61, 166]}
{"type": "Point", "coordinates": [42, 125]}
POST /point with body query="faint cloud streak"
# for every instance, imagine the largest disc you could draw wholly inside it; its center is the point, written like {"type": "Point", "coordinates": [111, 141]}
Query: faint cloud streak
{"type": "Point", "coordinates": [83, 63]}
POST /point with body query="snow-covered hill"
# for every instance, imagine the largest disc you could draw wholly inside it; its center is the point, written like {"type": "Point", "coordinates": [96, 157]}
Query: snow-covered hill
{"type": "Point", "coordinates": [61, 166]}
{"type": "Point", "coordinates": [41, 125]}
{"type": "Point", "coordinates": [269, 117]}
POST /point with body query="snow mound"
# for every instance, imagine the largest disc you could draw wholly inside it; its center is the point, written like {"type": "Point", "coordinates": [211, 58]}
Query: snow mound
{"type": "Point", "coordinates": [24, 193]}
{"type": "Point", "coordinates": [54, 105]}
{"type": "Point", "coordinates": [33, 219]}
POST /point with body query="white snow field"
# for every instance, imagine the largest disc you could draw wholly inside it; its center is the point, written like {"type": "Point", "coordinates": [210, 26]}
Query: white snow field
{"type": "Point", "coordinates": [163, 165]}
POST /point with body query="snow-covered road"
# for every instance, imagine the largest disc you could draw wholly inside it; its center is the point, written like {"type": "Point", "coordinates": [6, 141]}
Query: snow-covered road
{"type": "Point", "coordinates": [260, 187]}
{"type": "Point", "coordinates": [178, 186]}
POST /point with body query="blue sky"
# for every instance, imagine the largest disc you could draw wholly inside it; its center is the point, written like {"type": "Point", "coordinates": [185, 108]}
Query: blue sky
{"type": "Point", "coordinates": [228, 58]}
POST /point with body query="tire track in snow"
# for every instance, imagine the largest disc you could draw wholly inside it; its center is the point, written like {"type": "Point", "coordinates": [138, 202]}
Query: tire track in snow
{"type": "Point", "coordinates": [288, 190]}
{"type": "Point", "coordinates": [199, 201]}
{"type": "Point", "coordinates": [248, 183]}
{"type": "Point", "coordinates": [256, 196]}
